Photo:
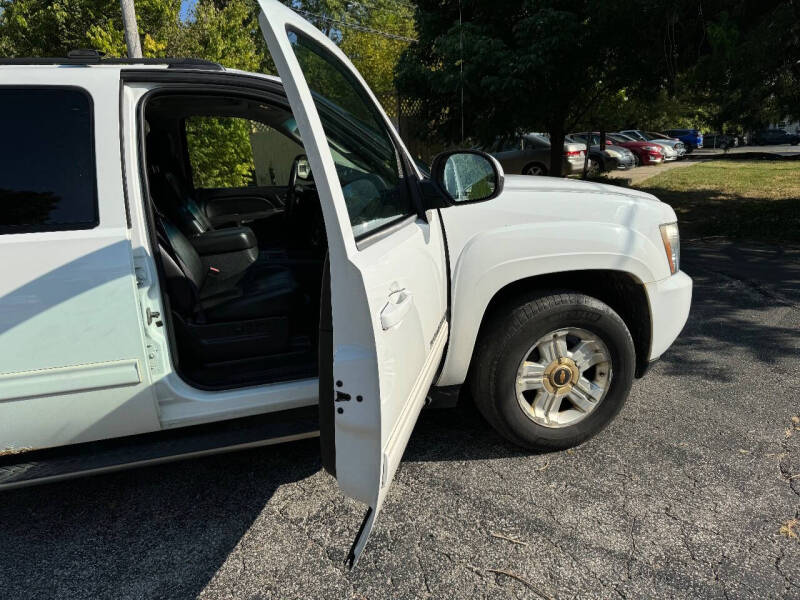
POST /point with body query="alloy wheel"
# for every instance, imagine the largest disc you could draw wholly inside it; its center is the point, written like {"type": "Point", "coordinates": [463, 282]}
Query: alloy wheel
{"type": "Point", "coordinates": [563, 377]}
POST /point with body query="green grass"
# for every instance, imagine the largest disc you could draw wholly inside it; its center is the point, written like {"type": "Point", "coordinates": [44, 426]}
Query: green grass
{"type": "Point", "coordinates": [756, 200]}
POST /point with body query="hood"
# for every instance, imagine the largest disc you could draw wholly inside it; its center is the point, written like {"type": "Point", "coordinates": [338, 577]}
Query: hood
{"type": "Point", "coordinates": [528, 183]}
{"type": "Point", "coordinates": [636, 143]}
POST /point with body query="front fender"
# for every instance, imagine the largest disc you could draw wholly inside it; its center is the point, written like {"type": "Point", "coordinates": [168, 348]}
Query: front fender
{"type": "Point", "coordinates": [490, 260]}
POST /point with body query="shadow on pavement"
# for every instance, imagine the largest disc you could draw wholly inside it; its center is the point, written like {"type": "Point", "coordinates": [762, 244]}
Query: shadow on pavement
{"type": "Point", "coordinates": [158, 532]}
{"type": "Point", "coordinates": [732, 282]}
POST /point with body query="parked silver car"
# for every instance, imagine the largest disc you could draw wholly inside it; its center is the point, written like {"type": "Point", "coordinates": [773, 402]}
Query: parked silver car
{"type": "Point", "coordinates": [622, 158]}
{"type": "Point", "coordinates": [529, 154]}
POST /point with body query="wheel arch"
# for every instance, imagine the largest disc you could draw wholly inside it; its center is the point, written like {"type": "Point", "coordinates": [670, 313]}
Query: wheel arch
{"type": "Point", "coordinates": [623, 291]}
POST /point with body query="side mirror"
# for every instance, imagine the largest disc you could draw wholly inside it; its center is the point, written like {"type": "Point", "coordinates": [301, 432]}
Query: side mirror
{"type": "Point", "coordinates": [468, 175]}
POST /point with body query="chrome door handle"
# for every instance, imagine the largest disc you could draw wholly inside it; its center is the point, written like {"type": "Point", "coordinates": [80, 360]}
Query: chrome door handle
{"type": "Point", "coordinates": [396, 308]}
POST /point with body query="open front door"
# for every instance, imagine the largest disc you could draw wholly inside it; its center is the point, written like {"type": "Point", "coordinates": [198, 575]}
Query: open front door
{"type": "Point", "coordinates": [387, 262]}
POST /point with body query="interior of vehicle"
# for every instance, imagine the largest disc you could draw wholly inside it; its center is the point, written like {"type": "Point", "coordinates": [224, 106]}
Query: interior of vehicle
{"type": "Point", "coordinates": [240, 236]}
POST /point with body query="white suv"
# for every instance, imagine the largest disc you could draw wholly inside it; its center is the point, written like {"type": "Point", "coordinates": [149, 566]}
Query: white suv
{"type": "Point", "coordinates": [198, 260]}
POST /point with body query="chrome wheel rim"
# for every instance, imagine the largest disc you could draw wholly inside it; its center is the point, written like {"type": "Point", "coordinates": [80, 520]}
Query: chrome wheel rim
{"type": "Point", "coordinates": [533, 171]}
{"type": "Point", "coordinates": [563, 377]}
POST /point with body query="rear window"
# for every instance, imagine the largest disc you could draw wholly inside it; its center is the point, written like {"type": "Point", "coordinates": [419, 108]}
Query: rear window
{"type": "Point", "coordinates": [47, 162]}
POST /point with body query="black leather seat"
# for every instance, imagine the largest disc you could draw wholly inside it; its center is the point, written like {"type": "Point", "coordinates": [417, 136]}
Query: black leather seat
{"type": "Point", "coordinates": [258, 292]}
{"type": "Point", "coordinates": [168, 186]}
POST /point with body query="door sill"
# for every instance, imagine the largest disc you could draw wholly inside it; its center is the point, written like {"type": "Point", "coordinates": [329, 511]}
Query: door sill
{"type": "Point", "coordinates": [92, 458]}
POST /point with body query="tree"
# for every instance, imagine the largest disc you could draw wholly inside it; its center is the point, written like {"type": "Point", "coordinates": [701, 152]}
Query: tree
{"type": "Point", "coordinates": [535, 65]}
{"type": "Point", "coordinates": [749, 70]}
{"type": "Point", "coordinates": [226, 33]}
{"type": "Point", "coordinates": [42, 28]}
{"type": "Point", "coordinates": [372, 33]}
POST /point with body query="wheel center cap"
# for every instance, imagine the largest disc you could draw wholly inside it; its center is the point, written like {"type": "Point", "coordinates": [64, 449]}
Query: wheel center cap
{"type": "Point", "coordinates": [560, 375]}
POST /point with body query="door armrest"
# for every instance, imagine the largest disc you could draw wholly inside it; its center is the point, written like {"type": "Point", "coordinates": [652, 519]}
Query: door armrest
{"type": "Point", "coordinates": [223, 241]}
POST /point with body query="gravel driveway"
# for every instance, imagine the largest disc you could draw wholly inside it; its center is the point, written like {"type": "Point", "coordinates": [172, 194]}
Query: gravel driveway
{"type": "Point", "coordinates": [684, 496]}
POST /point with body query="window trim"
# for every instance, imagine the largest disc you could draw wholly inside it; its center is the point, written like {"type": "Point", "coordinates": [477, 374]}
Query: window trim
{"type": "Point", "coordinates": [55, 227]}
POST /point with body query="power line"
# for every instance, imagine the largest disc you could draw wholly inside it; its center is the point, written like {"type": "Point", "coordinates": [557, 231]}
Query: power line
{"type": "Point", "coordinates": [356, 26]}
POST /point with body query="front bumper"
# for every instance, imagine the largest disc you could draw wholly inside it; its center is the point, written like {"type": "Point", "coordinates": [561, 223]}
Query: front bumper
{"type": "Point", "coordinates": [670, 300]}
{"type": "Point", "coordinates": [626, 162]}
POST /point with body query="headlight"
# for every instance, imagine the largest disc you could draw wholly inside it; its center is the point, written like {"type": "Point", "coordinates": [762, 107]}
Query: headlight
{"type": "Point", "coordinates": [613, 153]}
{"type": "Point", "coordinates": [672, 245]}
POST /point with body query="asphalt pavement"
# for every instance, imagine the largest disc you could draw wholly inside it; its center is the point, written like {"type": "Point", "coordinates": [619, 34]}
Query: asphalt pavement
{"type": "Point", "coordinates": [690, 493]}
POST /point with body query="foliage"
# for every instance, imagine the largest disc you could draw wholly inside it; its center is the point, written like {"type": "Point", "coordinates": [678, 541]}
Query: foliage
{"type": "Point", "coordinates": [42, 28]}
{"type": "Point", "coordinates": [536, 65]}
{"type": "Point", "coordinates": [220, 152]}
{"type": "Point", "coordinates": [374, 55]}
{"type": "Point", "coordinates": [225, 34]}
{"type": "Point", "coordinates": [551, 65]}
{"type": "Point", "coordinates": [750, 71]}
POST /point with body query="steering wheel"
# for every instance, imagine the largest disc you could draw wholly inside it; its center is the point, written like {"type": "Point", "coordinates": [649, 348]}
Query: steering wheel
{"type": "Point", "coordinates": [291, 191]}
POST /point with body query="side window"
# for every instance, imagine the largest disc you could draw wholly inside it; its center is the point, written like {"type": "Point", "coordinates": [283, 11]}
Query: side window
{"type": "Point", "coordinates": [47, 164]}
{"type": "Point", "coordinates": [234, 152]}
{"type": "Point", "coordinates": [366, 159]}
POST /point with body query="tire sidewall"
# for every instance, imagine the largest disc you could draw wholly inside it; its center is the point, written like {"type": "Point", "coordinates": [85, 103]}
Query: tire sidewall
{"type": "Point", "coordinates": [603, 323]}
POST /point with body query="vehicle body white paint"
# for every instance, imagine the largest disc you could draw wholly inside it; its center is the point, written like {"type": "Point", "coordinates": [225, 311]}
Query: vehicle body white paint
{"type": "Point", "coordinates": [80, 360]}
{"type": "Point", "coordinates": [544, 225]}
{"type": "Point", "coordinates": [68, 307]}
{"type": "Point", "coordinates": [391, 369]}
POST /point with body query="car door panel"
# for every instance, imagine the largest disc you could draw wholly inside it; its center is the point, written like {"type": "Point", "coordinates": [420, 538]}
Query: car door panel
{"type": "Point", "coordinates": [383, 361]}
{"type": "Point", "coordinates": [73, 366]}
{"type": "Point", "coordinates": [224, 205]}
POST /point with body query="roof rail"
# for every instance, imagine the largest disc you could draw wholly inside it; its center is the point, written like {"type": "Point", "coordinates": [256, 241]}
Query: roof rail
{"type": "Point", "coordinates": [88, 56]}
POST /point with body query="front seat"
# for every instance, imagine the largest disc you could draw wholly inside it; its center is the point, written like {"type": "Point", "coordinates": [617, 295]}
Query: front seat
{"type": "Point", "coordinates": [195, 292]}
{"type": "Point", "coordinates": [168, 185]}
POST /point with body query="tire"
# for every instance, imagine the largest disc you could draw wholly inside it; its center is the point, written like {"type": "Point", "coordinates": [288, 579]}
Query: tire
{"type": "Point", "coordinates": [534, 169]}
{"type": "Point", "coordinates": [506, 342]}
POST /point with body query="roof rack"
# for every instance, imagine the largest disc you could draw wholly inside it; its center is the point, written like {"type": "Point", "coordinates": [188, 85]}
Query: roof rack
{"type": "Point", "coordinates": [93, 57]}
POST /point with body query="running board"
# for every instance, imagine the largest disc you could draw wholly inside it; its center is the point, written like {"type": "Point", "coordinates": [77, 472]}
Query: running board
{"type": "Point", "coordinates": [91, 458]}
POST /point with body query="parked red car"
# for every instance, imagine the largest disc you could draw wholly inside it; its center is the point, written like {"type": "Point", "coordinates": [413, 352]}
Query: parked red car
{"type": "Point", "coordinates": [648, 153]}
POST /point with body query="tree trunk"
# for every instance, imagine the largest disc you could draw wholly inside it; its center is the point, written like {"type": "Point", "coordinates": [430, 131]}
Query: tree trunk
{"type": "Point", "coordinates": [131, 28]}
{"type": "Point", "coordinates": [556, 150]}
{"type": "Point", "coordinates": [586, 156]}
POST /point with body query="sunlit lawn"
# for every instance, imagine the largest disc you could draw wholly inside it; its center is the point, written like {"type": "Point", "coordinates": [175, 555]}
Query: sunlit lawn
{"type": "Point", "coordinates": [757, 200]}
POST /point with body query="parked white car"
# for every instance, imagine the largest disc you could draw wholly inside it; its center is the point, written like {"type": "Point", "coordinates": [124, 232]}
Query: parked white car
{"type": "Point", "coordinates": [152, 309]}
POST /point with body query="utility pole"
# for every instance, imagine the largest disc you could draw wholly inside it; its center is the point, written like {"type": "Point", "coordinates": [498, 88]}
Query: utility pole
{"type": "Point", "coordinates": [131, 29]}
